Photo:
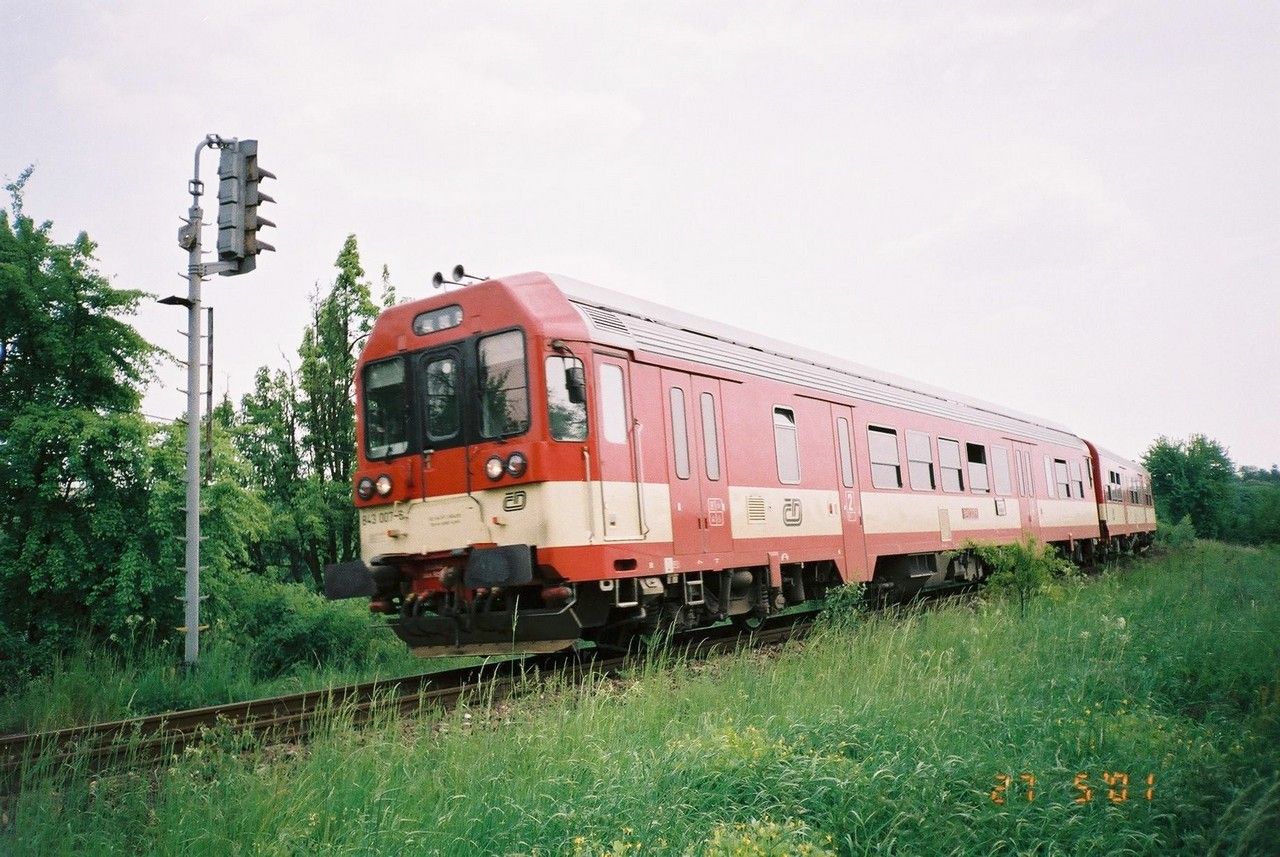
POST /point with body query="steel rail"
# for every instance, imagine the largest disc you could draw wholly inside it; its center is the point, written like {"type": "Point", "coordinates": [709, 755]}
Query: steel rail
{"type": "Point", "coordinates": [139, 741]}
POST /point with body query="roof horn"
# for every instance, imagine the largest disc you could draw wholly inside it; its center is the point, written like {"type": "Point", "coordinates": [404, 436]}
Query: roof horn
{"type": "Point", "coordinates": [438, 280]}
{"type": "Point", "coordinates": [459, 274]}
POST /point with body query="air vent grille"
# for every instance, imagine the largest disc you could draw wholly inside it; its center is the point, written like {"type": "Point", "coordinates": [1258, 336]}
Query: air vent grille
{"type": "Point", "coordinates": [605, 320]}
{"type": "Point", "coordinates": [755, 510]}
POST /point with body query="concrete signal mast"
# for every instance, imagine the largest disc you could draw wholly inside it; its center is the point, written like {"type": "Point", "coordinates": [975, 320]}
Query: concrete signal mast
{"type": "Point", "coordinates": [238, 248]}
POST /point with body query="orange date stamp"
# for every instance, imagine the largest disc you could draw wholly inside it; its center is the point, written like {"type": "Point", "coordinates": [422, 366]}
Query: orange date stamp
{"type": "Point", "coordinates": [1117, 785]}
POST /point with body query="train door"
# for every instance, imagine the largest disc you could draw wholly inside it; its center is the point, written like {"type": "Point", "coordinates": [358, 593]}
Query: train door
{"type": "Point", "coordinates": [621, 498]}
{"type": "Point", "coordinates": [717, 535]}
{"type": "Point", "coordinates": [1026, 486]}
{"type": "Point", "coordinates": [855, 542]}
{"type": "Point", "coordinates": [695, 464]}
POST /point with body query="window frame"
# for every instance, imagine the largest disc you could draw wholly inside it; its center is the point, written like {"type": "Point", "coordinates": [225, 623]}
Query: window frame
{"type": "Point", "coordinates": [602, 394]}
{"type": "Point", "coordinates": [896, 464]}
{"type": "Point", "coordinates": [1076, 476]}
{"type": "Point", "coordinates": [528, 392]}
{"type": "Point", "coordinates": [912, 461]}
{"type": "Point", "coordinates": [1000, 455]}
{"type": "Point", "coordinates": [407, 400]}
{"type": "Point", "coordinates": [679, 439]}
{"type": "Point", "coordinates": [710, 435]}
{"type": "Point", "coordinates": [425, 360]}
{"type": "Point", "coordinates": [974, 488]}
{"type": "Point", "coordinates": [958, 469]}
{"type": "Point", "coordinates": [437, 312]}
{"type": "Point", "coordinates": [794, 429]}
{"type": "Point", "coordinates": [1062, 478]}
{"type": "Point", "coordinates": [844, 449]}
{"type": "Point", "coordinates": [586, 411]}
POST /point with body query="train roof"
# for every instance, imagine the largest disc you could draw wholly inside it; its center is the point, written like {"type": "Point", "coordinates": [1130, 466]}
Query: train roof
{"type": "Point", "coordinates": [636, 324]}
{"type": "Point", "coordinates": [1116, 458]}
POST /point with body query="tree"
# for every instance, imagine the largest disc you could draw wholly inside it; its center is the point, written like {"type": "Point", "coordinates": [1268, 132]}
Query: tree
{"type": "Point", "coordinates": [73, 447]}
{"type": "Point", "coordinates": [1194, 477]}
{"type": "Point", "coordinates": [296, 431]}
{"type": "Point", "coordinates": [327, 372]}
{"type": "Point", "coordinates": [1256, 518]}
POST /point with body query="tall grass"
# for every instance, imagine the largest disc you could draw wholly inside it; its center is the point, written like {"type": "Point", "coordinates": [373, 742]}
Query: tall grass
{"type": "Point", "coordinates": [94, 684]}
{"type": "Point", "coordinates": [880, 735]}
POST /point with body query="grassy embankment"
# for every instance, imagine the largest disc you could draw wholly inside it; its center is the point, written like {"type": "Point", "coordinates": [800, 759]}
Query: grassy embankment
{"type": "Point", "coordinates": [880, 735]}
{"type": "Point", "coordinates": [96, 684]}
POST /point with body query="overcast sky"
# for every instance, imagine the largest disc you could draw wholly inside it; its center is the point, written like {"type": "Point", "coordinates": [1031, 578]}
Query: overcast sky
{"type": "Point", "coordinates": [1073, 210]}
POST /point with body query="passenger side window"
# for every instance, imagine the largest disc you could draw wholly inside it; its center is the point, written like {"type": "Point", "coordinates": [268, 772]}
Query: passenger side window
{"type": "Point", "coordinates": [886, 466]}
{"type": "Point", "coordinates": [846, 452]}
{"type": "Point", "coordinates": [679, 433]}
{"type": "Point", "coordinates": [1048, 477]}
{"type": "Point", "coordinates": [710, 442]}
{"type": "Point", "coordinates": [949, 462]}
{"type": "Point", "coordinates": [786, 446]}
{"type": "Point", "coordinates": [1000, 464]}
{"type": "Point", "coordinates": [568, 419]}
{"type": "Point", "coordinates": [613, 405]}
{"type": "Point", "coordinates": [1061, 479]}
{"type": "Point", "coordinates": [1077, 478]}
{"type": "Point", "coordinates": [920, 461]}
{"type": "Point", "coordinates": [978, 479]}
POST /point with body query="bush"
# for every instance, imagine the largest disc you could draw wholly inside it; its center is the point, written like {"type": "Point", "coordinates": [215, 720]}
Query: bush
{"type": "Point", "coordinates": [1177, 535]}
{"type": "Point", "coordinates": [284, 626]}
{"type": "Point", "coordinates": [1024, 568]}
{"type": "Point", "coordinates": [845, 604]}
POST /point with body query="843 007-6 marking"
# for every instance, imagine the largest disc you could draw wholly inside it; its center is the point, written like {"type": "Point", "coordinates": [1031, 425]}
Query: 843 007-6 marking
{"type": "Point", "coordinates": [384, 515]}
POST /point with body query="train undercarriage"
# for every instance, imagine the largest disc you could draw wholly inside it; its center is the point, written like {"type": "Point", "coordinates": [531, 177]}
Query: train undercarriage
{"type": "Point", "coordinates": [499, 601]}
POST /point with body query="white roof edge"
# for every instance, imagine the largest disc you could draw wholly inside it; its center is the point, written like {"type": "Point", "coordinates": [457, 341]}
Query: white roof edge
{"type": "Point", "coordinates": [660, 314]}
{"type": "Point", "coordinates": [1122, 459]}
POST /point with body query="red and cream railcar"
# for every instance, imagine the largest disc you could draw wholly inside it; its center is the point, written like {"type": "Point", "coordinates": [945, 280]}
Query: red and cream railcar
{"type": "Point", "coordinates": [542, 460]}
{"type": "Point", "coordinates": [1126, 507]}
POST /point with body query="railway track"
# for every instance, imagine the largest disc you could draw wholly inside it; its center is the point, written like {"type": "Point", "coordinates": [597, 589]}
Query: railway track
{"type": "Point", "coordinates": [138, 741]}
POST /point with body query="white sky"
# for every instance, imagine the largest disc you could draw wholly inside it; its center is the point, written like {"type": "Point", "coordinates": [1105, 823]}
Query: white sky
{"type": "Point", "coordinates": [1070, 210]}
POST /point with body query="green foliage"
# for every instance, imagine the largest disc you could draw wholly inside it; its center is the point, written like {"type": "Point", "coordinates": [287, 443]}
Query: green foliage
{"type": "Point", "coordinates": [845, 604]}
{"type": "Point", "coordinates": [1255, 520]}
{"type": "Point", "coordinates": [326, 377]}
{"type": "Point", "coordinates": [296, 431]}
{"type": "Point", "coordinates": [93, 495]}
{"type": "Point", "coordinates": [1174, 536]}
{"type": "Point", "coordinates": [1194, 477]}
{"type": "Point", "coordinates": [1022, 569]}
{"type": "Point", "coordinates": [885, 736]}
{"type": "Point", "coordinates": [74, 452]}
{"type": "Point", "coordinates": [282, 626]}
{"type": "Point", "coordinates": [92, 683]}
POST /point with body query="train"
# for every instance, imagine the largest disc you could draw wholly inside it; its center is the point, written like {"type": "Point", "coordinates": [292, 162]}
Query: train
{"type": "Point", "coordinates": [542, 462]}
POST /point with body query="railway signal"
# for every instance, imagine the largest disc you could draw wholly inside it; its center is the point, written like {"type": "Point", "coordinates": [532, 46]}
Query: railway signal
{"type": "Point", "coordinates": [238, 199]}
{"type": "Point", "coordinates": [238, 247]}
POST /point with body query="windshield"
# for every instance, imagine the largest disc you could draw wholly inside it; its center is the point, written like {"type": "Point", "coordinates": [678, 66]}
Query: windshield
{"type": "Point", "coordinates": [385, 426]}
{"type": "Point", "coordinates": [504, 385]}
{"type": "Point", "coordinates": [442, 399]}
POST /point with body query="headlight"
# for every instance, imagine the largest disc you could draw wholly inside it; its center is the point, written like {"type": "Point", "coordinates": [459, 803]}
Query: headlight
{"type": "Point", "coordinates": [493, 468]}
{"type": "Point", "coordinates": [364, 488]}
{"type": "Point", "coordinates": [383, 485]}
{"type": "Point", "coordinates": [516, 463]}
